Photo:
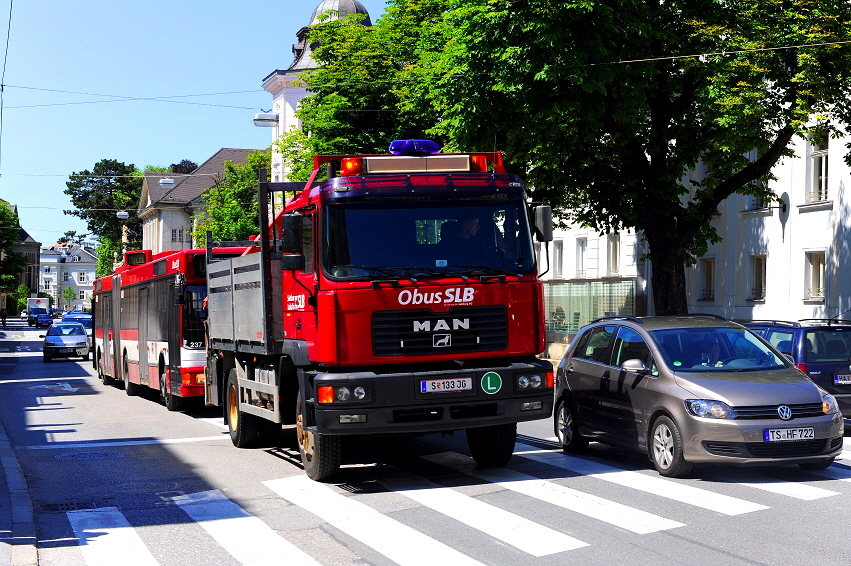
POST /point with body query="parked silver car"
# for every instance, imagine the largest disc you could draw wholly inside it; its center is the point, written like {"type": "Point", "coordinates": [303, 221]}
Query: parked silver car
{"type": "Point", "coordinates": [65, 340]}
{"type": "Point", "coordinates": [691, 390]}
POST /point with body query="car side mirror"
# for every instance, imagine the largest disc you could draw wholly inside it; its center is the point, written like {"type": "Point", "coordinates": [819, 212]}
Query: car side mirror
{"type": "Point", "coordinates": [634, 365]}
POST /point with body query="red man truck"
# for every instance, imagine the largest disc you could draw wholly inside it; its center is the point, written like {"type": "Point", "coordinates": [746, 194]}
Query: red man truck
{"type": "Point", "coordinates": [399, 296]}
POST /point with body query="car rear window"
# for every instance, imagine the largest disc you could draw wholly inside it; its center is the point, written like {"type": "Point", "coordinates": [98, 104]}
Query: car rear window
{"type": "Point", "coordinates": [823, 345]}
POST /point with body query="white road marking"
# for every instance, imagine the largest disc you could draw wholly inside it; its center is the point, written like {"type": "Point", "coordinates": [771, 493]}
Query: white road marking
{"type": "Point", "coordinates": [523, 534]}
{"type": "Point", "coordinates": [623, 516]}
{"type": "Point", "coordinates": [789, 489]}
{"type": "Point", "coordinates": [106, 538]}
{"type": "Point", "coordinates": [649, 484]}
{"type": "Point", "coordinates": [75, 445]}
{"type": "Point", "coordinates": [2, 381]}
{"type": "Point", "coordinates": [396, 541]}
{"type": "Point", "coordinates": [215, 421]}
{"type": "Point", "coordinates": [244, 536]}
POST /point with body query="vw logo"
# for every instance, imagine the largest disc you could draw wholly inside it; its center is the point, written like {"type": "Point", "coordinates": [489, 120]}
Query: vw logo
{"type": "Point", "coordinates": [784, 412]}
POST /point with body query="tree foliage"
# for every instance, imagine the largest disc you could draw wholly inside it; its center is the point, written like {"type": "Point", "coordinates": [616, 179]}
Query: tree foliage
{"type": "Point", "coordinates": [184, 167]}
{"type": "Point", "coordinates": [68, 296]}
{"type": "Point", "coordinates": [109, 253]}
{"type": "Point", "coordinates": [231, 212]}
{"type": "Point", "coordinates": [611, 110]}
{"type": "Point", "coordinates": [11, 262]}
{"type": "Point", "coordinates": [99, 194]}
{"type": "Point", "coordinates": [19, 296]}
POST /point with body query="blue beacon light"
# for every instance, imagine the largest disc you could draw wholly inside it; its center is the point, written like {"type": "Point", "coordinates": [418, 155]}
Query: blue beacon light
{"type": "Point", "coordinates": [414, 147]}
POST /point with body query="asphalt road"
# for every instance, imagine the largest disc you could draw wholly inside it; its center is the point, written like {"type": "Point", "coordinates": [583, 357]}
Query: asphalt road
{"type": "Point", "coordinates": [118, 480]}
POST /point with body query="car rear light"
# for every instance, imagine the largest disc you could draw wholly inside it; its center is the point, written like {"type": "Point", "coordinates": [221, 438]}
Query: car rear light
{"type": "Point", "coordinates": [802, 368]}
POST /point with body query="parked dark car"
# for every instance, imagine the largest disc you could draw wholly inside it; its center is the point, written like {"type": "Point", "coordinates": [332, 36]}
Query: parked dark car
{"type": "Point", "coordinates": [43, 319]}
{"type": "Point", "coordinates": [821, 348]}
{"type": "Point", "coordinates": [692, 389]}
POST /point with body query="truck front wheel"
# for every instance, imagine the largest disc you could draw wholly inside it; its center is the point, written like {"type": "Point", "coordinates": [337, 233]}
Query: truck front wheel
{"type": "Point", "coordinates": [244, 428]}
{"type": "Point", "coordinates": [321, 454]}
{"type": "Point", "coordinates": [492, 445]}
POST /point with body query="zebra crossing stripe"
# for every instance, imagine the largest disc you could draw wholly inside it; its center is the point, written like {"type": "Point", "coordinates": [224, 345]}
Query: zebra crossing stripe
{"type": "Point", "coordinates": [521, 533]}
{"type": "Point", "coordinates": [655, 485]}
{"type": "Point", "coordinates": [398, 542]}
{"type": "Point", "coordinates": [617, 514]}
{"type": "Point", "coordinates": [790, 489]}
{"type": "Point", "coordinates": [106, 538]}
{"type": "Point", "coordinates": [244, 536]}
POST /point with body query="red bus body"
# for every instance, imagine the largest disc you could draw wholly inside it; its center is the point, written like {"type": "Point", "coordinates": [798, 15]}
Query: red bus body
{"type": "Point", "coordinates": [148, 322]}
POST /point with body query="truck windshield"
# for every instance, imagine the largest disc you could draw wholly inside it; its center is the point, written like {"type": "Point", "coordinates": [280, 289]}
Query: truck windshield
{"type": "Point", "coordinates": [193, 316]}
{"type": "Point", "coordinates": [417, 239]}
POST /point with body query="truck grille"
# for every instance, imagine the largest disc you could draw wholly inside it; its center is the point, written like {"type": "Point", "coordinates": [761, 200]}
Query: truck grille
{"type": "Point", "coordinates": [423, 332]}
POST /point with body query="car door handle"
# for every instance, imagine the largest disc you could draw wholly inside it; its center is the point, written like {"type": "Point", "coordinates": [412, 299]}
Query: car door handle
{"type": "Point", "coordinates": [569, 368]}
{"type": "Point", "coordinates": [605, 377]}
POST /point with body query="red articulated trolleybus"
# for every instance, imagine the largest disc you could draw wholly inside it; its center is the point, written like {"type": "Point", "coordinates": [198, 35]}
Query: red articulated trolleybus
{"type": "Point", "coordinates": [148, 324]}
{"type": "Point", "coordinates": [399, 296]}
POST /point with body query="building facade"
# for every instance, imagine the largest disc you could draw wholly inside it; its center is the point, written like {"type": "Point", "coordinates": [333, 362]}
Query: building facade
{"type": "Point", "coordinates": [68, 265]}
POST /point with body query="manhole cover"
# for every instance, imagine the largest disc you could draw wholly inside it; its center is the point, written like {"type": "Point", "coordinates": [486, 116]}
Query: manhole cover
{"type": "Point", "coordinates": [90, 456]}
{"type": "Point", "coordinates": [62, 507]}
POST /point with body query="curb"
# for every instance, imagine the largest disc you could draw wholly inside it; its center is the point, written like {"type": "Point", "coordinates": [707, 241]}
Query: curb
{"type": "Point", "coordinates": [23, 539]}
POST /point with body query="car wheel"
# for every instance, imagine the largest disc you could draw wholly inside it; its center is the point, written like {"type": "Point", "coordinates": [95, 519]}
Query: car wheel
{"type": "Point", "coordinates": [666, 449]}
{"type": "Point", "coordinates": [823, 465]}
{"type": "Point", "coordinates": [567, 428]}
{"type": "Point", "coordinates": [492, 445]}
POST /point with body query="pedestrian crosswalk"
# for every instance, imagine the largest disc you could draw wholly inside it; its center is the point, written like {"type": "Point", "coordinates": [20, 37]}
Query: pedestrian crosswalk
{"type": "Point", "coordinates": [405, 518]}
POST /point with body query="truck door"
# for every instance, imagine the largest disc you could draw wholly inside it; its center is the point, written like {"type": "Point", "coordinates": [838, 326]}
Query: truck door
{"type": "Point", "coordinates": [299, 285]}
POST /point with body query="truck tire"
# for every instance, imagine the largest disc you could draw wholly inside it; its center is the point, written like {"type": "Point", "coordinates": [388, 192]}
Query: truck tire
{"type": "Point", "coordinates": [171, 402]}
{"type": "Point", "coordinates": [244, 428]}
{"type": "Point", "coordinates": [492, 445]}
{"type": "Point", "coordinates": [132, 389]}
{"type": "Point", "coordinates": [321, 454]}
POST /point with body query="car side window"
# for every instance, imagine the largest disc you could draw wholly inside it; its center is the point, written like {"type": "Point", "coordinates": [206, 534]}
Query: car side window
{"type": "Point", "coordinates": [596, 347]}
{"type": "Point", "coordinates": [630, 346]}
{"type": "Point", "coordinates": [781, 340]}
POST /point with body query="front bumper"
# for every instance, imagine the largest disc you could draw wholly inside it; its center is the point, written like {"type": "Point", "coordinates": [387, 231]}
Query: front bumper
{"type": "Point", "coordinates": [741, 441]}
{"type": "Point", "coordinates": [66, 351]}
{"type": "Point", "coordinates": [396, 404]}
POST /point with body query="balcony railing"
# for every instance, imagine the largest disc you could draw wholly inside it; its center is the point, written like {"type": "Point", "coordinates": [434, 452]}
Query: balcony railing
{"type": "Point", "coordinates": [758, 294]}
{"type": "Point", "coordinates": [819, 195]}
{"type": "Point", "coordinates": [815, 292]}
{"type": "Point", "coordinates": [707, 294]}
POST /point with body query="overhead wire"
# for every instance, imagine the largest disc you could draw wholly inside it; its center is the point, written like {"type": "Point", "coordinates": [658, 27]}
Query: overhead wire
{"type": "Point", "coordinates": [3, 78]}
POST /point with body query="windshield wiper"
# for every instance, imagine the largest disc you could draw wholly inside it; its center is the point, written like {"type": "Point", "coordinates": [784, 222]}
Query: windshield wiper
{"type": "Point", "coordinates": [430, 271]}
{"type": "Point", "coordinates": [487, 270]}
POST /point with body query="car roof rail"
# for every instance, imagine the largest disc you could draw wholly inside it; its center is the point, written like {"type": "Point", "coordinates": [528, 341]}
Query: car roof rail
{"type": "Point", "coordinates": [704, 314]}
{"type": "Point", "coordinates": [618, 317]}
{"type": "Point", "coordinates": [775, 322]}
{"type": "Point", "coordinates": [827, 321]}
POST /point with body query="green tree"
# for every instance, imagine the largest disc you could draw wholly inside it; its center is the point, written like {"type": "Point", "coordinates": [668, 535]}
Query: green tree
{"type": "Point", "coordinates": [68, 296]}
{"type": "Point", "coordinates": [11, 262]}
{"type": "Point", "coordinates": [231, 208]}
{"type": "Point", "coordinates": [19, 296]}
{"type": "Point", "coordinates": [99, 194]}
{"type": "Point", "coordinates": [109, 253]}
{"type": "Point", "coordinates": [606, 109]}
{"type": "Point", "coordinates": [355, 105]}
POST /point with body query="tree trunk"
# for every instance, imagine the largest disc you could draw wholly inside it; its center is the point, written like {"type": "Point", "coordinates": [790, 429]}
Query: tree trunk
{"type": "Point", "coordinates": [668, 279]}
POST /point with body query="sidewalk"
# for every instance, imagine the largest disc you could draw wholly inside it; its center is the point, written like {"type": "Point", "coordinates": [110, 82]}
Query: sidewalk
{"type": "Point", "coordinates": [17, 525]}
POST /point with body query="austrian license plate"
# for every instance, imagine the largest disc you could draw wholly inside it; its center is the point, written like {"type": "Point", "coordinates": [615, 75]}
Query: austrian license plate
{"type": "Point", "coordinates": [445, 385]}
{"type": "Point", "coordinates": [787, 434]}
{"type": "Point", "coordinates": [842, 379]}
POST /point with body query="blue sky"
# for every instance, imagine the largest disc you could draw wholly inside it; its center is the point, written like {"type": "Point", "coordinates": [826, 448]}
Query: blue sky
{"type": "Point", "coordinates": [127, 48]}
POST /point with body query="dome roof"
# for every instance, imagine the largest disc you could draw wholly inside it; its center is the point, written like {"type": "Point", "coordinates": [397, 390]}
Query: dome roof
{"type": "Point", "coordinates": [342, 7]}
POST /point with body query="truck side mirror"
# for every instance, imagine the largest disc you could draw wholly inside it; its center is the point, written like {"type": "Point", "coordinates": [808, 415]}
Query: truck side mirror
{"type": "Point", "coordinates": [544, 223]}
{"type": "Point", "coordinates": [292, 262]}
{"type": "Point", "coordinates": [291, 234]}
